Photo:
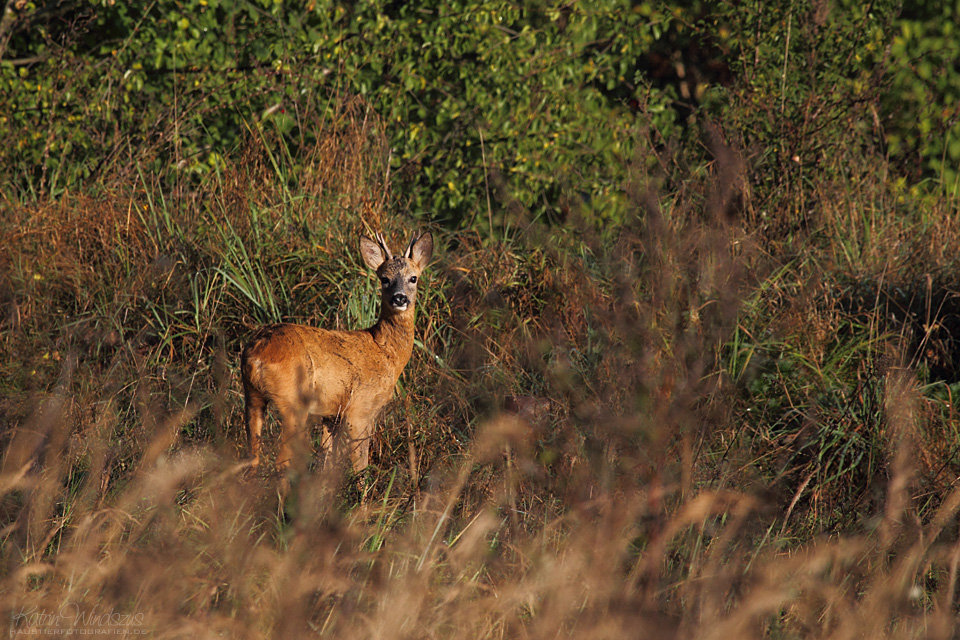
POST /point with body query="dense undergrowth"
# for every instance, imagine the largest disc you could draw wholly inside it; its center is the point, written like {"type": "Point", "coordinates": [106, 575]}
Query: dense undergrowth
{"type": "Point", "coordinates": [729, 413]}
{"type": "Point", "coordinates": [691, 429]}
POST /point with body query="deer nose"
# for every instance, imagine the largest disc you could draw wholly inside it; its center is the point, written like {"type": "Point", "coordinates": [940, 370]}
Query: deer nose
{"type": "Point", "coordinates": [399, 300]}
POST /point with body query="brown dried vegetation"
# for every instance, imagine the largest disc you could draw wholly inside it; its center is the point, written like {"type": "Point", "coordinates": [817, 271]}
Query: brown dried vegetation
{"type": "Point", "coordinates": [595, 438]}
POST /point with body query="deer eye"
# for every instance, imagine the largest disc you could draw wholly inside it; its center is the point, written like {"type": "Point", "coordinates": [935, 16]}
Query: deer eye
{"type": "Point", "coordinates": [413, 279]}
{"type": "Point", "coordinates": [384, 281]}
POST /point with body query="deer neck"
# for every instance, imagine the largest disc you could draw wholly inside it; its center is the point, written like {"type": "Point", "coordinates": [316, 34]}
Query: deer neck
{"type": "Point", "coordinates": [394, 335]}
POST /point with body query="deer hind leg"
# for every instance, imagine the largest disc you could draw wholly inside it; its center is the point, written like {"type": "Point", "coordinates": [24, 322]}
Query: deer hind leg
{"type": "Point", "coordinates": [294, 444]}
{"type": "Point", "coordinates": [255, 405]}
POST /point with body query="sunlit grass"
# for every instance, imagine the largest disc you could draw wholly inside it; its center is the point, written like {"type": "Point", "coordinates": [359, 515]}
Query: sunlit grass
{"type": "Point", "coordinates": [680, 429]}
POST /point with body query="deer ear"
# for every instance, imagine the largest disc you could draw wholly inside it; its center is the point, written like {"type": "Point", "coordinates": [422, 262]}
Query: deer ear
{"type": "Point", "coordinates": [371, 252]}
{"type": "Point", "coordinates": [421, 250]}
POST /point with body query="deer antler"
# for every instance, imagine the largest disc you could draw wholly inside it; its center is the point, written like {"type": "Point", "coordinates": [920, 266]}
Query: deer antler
{"type": "Point", "coordinates": [409, 252]}
{"type": "Point", "coordinates": [383, 246]}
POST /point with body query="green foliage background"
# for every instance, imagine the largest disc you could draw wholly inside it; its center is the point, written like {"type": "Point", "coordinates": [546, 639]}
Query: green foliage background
{"type": "Point", "coordinates": [491, 109]}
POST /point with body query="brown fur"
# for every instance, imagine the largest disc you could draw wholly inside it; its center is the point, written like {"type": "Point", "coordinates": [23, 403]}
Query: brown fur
{"type": "Point", "coordinates": [347, 375]}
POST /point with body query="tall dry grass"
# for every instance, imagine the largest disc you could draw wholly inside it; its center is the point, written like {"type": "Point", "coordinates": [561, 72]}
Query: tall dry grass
{"type": "Point", "coordinates": [595, 438]}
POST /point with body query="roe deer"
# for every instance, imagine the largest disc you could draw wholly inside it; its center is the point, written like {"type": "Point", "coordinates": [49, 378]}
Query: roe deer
{"type": "Point", "coordinates": [347, 375]}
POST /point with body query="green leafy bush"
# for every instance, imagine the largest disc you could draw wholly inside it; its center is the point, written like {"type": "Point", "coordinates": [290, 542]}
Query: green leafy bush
{"type": "Point", "coordinates": [484, 103]}
{"type": "Point", "coordinates": [922, 102]}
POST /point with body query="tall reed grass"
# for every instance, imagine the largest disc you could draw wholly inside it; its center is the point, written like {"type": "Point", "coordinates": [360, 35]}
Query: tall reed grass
{"type": "Point", "coordinates": [687, 428]}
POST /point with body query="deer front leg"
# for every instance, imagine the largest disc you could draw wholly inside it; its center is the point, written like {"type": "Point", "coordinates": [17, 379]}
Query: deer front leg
{"type": "Point", "coordinates": [359, 432]}
{"type": "Point", "coordinates": [327, 441]}
{"type": "Point", "coordinates": [294, 444]}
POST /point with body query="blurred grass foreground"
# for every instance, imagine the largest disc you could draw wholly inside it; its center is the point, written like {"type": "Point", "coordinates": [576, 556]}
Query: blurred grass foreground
{"type": "Point", "coordinates": [685, 360]}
